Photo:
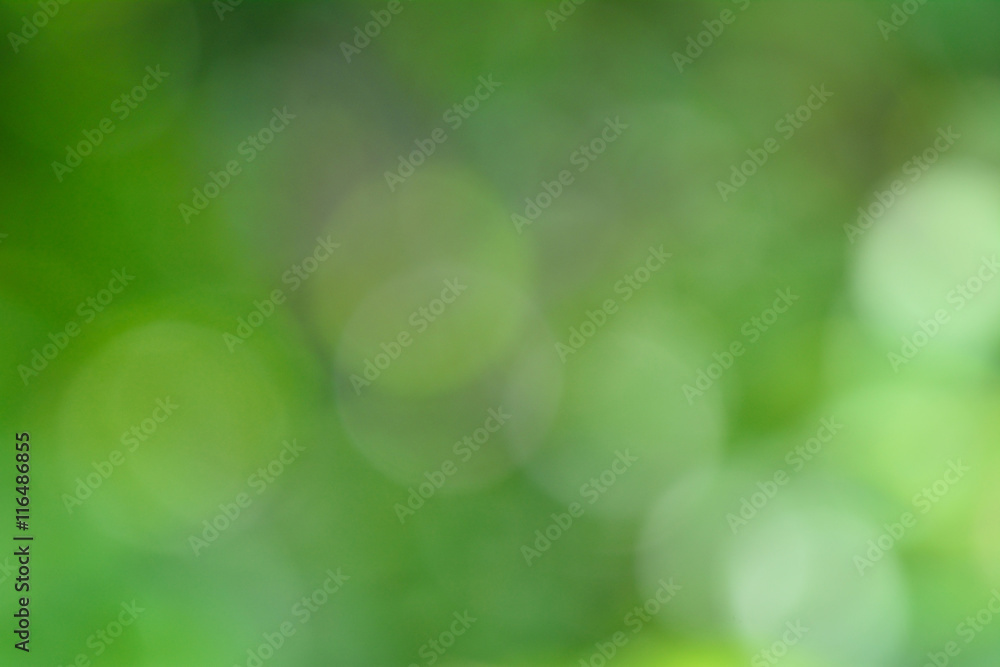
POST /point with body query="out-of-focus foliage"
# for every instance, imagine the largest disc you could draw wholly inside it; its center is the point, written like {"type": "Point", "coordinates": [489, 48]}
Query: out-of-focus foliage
{"type": "Point", "coordinates": [674, 320]}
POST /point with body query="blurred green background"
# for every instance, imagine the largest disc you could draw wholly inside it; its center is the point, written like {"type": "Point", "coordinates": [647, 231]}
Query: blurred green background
{"type": "Point", "coordinates": [374, 365]}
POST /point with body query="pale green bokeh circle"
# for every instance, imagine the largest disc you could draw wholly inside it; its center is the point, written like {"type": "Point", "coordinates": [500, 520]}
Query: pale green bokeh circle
{"type": "Point", "coordinates": [449, 343]}
{"type": "Point", "coordinates": [623, 397]}
{"type": "Point", "coordinates": [442, 216]}
{"type": "Point", "coordinates": [232, 416]}
{"type": "Point", "coordinates": [439, 391]}
{"type": "Point", "coordinates": [795, 563]}
{"type": "Point", "coordinates": [935, 237]}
